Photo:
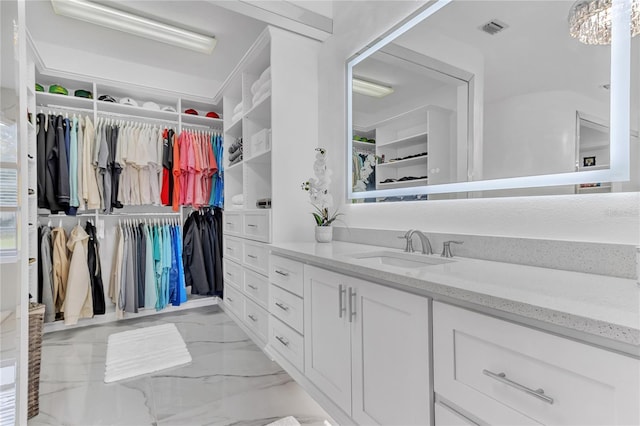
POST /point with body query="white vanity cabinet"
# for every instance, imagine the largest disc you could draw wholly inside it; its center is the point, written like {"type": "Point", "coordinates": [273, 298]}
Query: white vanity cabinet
{"type": "Point", "coordinates": [498, 372]}
{"type": "Point", "coordinates": [357, 349]}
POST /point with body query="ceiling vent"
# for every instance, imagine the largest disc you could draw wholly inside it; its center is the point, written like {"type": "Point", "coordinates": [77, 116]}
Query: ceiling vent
{"type": "Point", "coordinates": [493, 27]}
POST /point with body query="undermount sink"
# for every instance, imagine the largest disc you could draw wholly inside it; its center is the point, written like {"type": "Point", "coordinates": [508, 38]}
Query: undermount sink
{"type": "Point", "coordinates": [400, 259]}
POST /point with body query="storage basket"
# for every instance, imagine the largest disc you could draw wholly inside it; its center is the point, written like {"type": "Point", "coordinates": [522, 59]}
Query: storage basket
{"type": "Point", "coordinates": [36, 322]}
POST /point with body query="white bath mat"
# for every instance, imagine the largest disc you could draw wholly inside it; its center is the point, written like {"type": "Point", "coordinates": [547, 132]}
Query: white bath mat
{"type": "Point", "coordinates": [287, 421]}
{"type": "Point", "coordinates": [145, 350]}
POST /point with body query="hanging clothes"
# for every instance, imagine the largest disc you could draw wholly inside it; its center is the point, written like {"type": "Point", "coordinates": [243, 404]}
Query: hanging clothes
{"type": "Point", "coordinates": [202, 255]}
{"type": "Point", "coordinates": [60, 267]}
{"type": "Point", "coordinates": [46, 277]}
{"type": "Point", "coordinates": [78, 301]}
{"type": "Point", "coordinates": [95, 270]}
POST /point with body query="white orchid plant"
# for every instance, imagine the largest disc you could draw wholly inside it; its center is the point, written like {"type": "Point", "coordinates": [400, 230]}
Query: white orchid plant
{"type": "Point", "coordinates": [318, 189]}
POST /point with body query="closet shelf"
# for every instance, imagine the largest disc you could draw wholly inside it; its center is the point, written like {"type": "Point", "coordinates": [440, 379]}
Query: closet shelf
{"type": "Point", "coordinates": [233, 167]}
{"type": "Point", "coordinates": [359, 145]}
{"type": "Point", "coordinates": [201, 120]}
{"type": "Point", "coordinates": [235, 129]}
{"type": "Point", "coordinates": [263, 157]}
{"type": "Point", "coordinates": [403, 184]}
{"type": "Point", "coordinates": [261, 112]}
{"type": "Point", "coordinates": [414, 140]}
{"type": "Point", "coordinates": [421, 160]}
{"type": "Point", "coordinates": [55, 99]}
{"type": "Point", "coordinates": [135, 111]}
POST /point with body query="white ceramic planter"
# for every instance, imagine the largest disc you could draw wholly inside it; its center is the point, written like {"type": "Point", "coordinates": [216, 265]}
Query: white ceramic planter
{"type": "Point", "coordinates": [324, 234]}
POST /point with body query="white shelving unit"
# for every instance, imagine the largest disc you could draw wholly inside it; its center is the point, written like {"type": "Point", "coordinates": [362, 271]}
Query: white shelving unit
{"type": "Point", "coordinates": [425, 135]}
{"type": "Point", "coordinates": [278, 155]}
{"type": "Point", "coordinates": [51, 102]}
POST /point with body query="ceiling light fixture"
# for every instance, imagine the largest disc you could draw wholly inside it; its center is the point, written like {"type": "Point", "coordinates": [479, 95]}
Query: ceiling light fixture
{"type": "Point", "coordinates": [368, 88]}
{"type": "Point", "coordinates": [590, 21]}
{"type": "Point", "coordinates": [122, 21]}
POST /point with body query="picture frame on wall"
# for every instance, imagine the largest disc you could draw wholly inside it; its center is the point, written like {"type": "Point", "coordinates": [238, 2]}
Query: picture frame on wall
{"type": "Point", "coordinates": [588, 161]}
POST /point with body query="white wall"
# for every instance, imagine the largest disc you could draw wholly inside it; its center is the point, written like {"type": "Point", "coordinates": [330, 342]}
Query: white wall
{"type": "Point", "coordinates": [515, 142]}
{"type": "Point", "coordinates": [596, 217]}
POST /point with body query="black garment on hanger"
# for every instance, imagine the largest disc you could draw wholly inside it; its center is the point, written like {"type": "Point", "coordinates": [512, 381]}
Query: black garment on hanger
{"type": "Point", "coordinates": [63, 193]}
{"type": "Point", "coordinates": [114, 167]}
{"type": "Point", "coordinates": [95, 270]}
{"type": "Point", "coordinates": [52, 164]}
{"type": "Point", "coordinates": [142, 253]}
{"type": "Point", "coordinates": [195, 273]}
{"type": "Point", "coordinates": [41, 166]}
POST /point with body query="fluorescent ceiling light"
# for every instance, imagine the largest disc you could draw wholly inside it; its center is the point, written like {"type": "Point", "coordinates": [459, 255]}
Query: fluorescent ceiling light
{"type": "Point", "coordinates": [133, 24]}
{"type": "Point", "coordinates": [371, 89]}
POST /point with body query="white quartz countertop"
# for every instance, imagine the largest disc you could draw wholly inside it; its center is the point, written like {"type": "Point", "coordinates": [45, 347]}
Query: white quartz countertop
{"type": "Point", "coordinates": [600, 309]}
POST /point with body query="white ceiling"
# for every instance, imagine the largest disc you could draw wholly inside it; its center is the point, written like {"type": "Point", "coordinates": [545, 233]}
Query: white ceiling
{"type": "Point", "coordinates": [534, 54]}
{"type": "Point", "coordinates": [234, 32]}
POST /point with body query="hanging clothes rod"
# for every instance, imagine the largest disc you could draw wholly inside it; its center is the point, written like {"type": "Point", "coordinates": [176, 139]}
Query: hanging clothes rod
{"type": "Point", "coordinates": [60, 215]}
{"type": "Point", "coordinates": [137, 118]}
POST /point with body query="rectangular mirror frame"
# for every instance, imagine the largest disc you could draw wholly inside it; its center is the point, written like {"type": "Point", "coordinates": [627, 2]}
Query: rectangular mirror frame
{"type": "Point", "coordinates": [619, 116]}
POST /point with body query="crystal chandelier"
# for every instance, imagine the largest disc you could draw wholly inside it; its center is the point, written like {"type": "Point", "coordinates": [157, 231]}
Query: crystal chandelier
{"type": "Point", "coordinates": [590, 21]}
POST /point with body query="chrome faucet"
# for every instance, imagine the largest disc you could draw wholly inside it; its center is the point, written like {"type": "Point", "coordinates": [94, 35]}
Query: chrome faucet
{"type": "Point", "coordinates": [426, 245]}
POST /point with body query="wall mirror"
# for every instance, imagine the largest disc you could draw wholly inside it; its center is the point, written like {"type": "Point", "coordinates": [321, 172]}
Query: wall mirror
{"type": "Point", "coordinates": [478, 98]}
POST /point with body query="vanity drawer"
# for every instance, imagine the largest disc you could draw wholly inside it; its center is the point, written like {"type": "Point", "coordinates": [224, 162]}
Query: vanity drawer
{"type": "Point", "coordinates": [256, 257]}
{"type": "Point", "coordinates": [232, 274]}
{"type": "Point", "coordinates": [233, 249]}
{"type": "Point", "coordinates": [287, 307]}
{"type": "Point", "coordinates": [286, 273]}
{"type": "Point", "coordinates": [287, 342]}
{"type": "Point", "coordinates": [232, 223]}
{"type": "Point", "coordinates": [233, 300]}
{"type": "Point", "coordinates": [257, 319]}
{"type": "Point", "coordinates": [494, 369]}
{"type": "Point", "coordinates": [257, 286]}
{"type": "Point", "coordinates": [256, 225]}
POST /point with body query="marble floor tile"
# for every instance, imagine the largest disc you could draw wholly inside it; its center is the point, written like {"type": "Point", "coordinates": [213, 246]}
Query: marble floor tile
{"type": "Point", "coordinates": [230, 381]}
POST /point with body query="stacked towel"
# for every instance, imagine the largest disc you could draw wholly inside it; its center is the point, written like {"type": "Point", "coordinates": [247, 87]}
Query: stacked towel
{"type": "Point", "coordinates": [235, 152]}
{"type": "Point", "coordinates": [237, 200]}
{"type": "Point", "coordinates": [237, 112]}
{"type": "Point", "coordinates": [262, 86]}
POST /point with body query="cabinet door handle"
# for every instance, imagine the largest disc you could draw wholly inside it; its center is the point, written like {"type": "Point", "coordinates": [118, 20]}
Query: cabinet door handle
{"type": "Point", "coordinates": [341, 291]}
{"type": "Point", "coordinates": [252, 287]}
{"type": "Point", "coordinates": [352, 297]}
{"type": "Point", "coordinates": [282, 340]}
{"type": "Point", "coordinates": [230, 223]}
{"type": "Point", "coordinates": [229, 299]}
{"type": "Point", "coordinates": [229, 273]}
{"type": "Point", "coordinates": [252, 256]}
{"type": "Point", "coordinates": [251, 225]}
{"type": "Point", "coordinates": [229, 249]}
{"type": "Point", "coordinates": [284, 274]}
{"type": "Point", "coordinates": [252, 318]}
{"type": "Point", "coordinates": [502, 378]}
{"type": "Point", "coordinates": [281, 306]}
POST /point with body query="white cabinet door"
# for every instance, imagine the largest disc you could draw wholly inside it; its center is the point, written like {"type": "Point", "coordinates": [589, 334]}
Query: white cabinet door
{"type": "Point", "coordinates": [327, 334]}
{"type": "Point", "coordinates": [391, 356]}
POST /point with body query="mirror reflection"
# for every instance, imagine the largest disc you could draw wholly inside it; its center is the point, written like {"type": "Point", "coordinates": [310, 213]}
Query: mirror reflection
{"type": "Point", "coordinates": [482, 90]}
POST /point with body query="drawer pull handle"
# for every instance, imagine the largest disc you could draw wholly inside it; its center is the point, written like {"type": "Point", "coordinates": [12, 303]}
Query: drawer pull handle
{"type": "Point", "coordinates": [252, 318]}
{"type": "Point", "coordinates": [282, 340]}
{"type": "Point", "coordinates": [230, 223]}
{"type": "Point", "coordinates": [229, 299]}
{"type": "Point", "coordinates": [229, 273]}
{"type": "Point", "coordinates": [251, 225]}
{"type": "Point", "coordinates": [281, 306]}
{"type": "Point", "coordinates": [229, 249]}
{"type": "Point", "coordinates": [252, 287]}
{"type": "Point", "coordinates": [284, 274]}
{"type": "Point", "coordinates": [502, 378]}
{"type": "Point", "coordinates": [252, 256]}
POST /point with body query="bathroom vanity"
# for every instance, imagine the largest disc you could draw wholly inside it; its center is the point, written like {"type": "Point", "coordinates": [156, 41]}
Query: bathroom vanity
{"type": "Point", "coordinates": [461, 341]}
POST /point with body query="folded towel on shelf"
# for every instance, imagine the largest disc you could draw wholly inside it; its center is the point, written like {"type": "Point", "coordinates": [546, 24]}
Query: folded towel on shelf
{"type": "Point", "coordinates": [235, 146]}
{"type": "Point", "coordinates": [237, 200]}
{"type": "Point", "coordinates": [237, 160]}
{"type": "Point", "coordinates": [234, 155]}
{"type": "Point", "coordinates": [264, 77]}
{"type": "Point", "coordinates": [260, 95]}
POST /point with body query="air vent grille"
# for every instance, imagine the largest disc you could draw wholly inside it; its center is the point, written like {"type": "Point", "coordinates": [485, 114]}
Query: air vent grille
{"type": "Point", "coordinates": [493, 27]}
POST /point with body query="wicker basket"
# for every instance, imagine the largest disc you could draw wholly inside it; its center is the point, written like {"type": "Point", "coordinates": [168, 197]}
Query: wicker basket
{"type": "Point", "coordinates": [36, 321]}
